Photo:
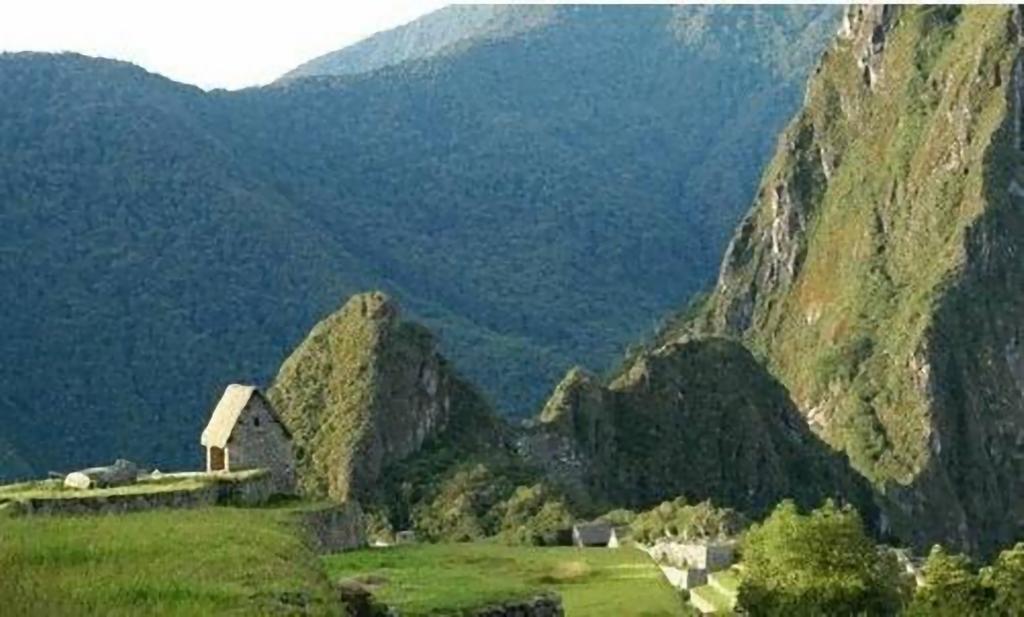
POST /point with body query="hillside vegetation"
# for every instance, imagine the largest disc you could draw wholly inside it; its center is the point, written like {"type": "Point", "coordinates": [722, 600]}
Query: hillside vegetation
{"type": "Point", "coordinates": [878, 273]}
{"type": "Point", "coordinates": [698, 419]}
{"type": "Point", "coordinates": [539, 198]}
{"type": "Point", "coordinates": [379, 415]}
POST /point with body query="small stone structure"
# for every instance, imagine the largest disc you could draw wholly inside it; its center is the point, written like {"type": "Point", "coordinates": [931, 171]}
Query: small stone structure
{"type": "Point", "coordinates": [711, 556]}
{"type": "Point", "coordinates": [245, 432]}
{"type": "Point", "coordinates": [598, 533]}
{"type": "Point", "coordinates": [684, 578]}
{"type": "Point", "coordinates": [406, 536]}
{"type": "Point", "coordinates": [613, 539]}
{"type": "Point", "coordinates": [619, 535]}
{"type": "Point", "coordinates": [336, 528]}
{"type": "Point", "coordinates": [687, 565]}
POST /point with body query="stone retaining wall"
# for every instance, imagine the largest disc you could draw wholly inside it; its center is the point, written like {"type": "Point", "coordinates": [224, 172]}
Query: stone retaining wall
{"type": "Point", "coordinates": [549, 605]}
{"type": "Point", "coordinates": [252, 489]}
{"type": "Point", "coordinates": [336, 528]}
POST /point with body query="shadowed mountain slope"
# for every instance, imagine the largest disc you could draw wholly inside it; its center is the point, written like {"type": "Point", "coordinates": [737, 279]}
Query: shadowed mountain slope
{"type": "Point", "coordinates": [537, 199]}
{"type": "Point", "coordinates": [879, 274]}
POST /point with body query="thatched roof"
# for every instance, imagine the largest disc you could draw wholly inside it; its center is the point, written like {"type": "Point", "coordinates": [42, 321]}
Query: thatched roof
{"type": "Point", "coordinates": [592, 534]}
{"type": "Point", "coordinates": [222, 422]}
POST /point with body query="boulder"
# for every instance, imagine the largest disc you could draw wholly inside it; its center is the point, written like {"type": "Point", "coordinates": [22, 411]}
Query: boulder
{"type": "Point", "coordinates": [122, 472]}
{"type": "Point", "coordinates": [77, 480]}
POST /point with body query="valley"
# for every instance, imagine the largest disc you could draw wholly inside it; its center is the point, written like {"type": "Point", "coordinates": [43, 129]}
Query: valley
{"type": "Point", "coordinates": [382, 262]}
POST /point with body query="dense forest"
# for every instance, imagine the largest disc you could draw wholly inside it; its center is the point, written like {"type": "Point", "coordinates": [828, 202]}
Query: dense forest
{"type": "Point", "coordinates": [538, 199]}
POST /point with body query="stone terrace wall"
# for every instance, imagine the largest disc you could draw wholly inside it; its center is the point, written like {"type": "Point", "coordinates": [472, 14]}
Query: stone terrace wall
{"type": "Point", "coordinates": [336, 528]}
{"type": "Point", "coordinates": [549, 605]}
{"type": "Point", "coordinates": [252, 489]}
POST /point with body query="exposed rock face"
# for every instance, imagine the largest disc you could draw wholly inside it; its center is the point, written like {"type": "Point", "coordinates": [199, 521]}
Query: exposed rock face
{"type": "Point", "coordinates": [362, 391]}
{"type": "Point", "coordinates": [867, 27]}
{"type": "Point", "coordinates": [698, 418]}
{"type": "Point", "coordinates": [879, 271]}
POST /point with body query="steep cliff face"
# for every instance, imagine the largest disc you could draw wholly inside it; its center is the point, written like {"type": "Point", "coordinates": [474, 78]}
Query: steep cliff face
{"type": "Point", "coordinates": [698, 418]}
{"type": "Point", "coordinates": [365, 390]}
{"type": "Point", "coordinates": [879, 272]}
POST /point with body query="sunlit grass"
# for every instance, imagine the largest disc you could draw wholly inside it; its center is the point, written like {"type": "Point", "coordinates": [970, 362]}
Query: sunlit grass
{"type": "Point", "coordinates": [442, 579]}
{"type": "Point", "coordinates": [170, 562]}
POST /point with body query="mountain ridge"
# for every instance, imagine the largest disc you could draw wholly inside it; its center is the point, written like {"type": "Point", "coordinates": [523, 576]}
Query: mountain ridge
{"type": "Point", "coordinates": [503, 194]}
{"type": "Point", "coordinates": [875, 273]}
{"type": "Point", "coordinates": [437, 33]}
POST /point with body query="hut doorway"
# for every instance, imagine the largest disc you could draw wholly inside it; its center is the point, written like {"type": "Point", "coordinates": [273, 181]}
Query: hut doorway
{"type": "Point", "coordinates": [215, 459]}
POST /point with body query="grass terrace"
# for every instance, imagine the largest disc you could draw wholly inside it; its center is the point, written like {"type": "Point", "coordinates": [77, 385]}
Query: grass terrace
{"type": "Point", "coordinates": [54, 488]}
{"type": "Point", "coordinates": [444, 579]}
{"type": "Point", "coordinates": [229, 561]}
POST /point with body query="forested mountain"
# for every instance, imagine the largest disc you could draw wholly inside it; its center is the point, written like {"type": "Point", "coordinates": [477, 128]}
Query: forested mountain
{"type": "Point", "coordinates": [879, 274]}
{"type": "Point", "coordinates": [699, 418]}
{"type": "Point", "coordinates": [447, 31]}
{"type": "Point", "coordinates": [538, 198]}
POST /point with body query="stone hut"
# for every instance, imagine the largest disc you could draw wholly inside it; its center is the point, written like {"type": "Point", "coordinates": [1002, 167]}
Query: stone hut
{"type": "Point", "coordinates": [245, 432]}
{"type": "Point", "coordinates": [597, 533]}
{"type": "Point", "coordinates": [620, 534]}
{"type": "Point", "coordinates": [710, 556]}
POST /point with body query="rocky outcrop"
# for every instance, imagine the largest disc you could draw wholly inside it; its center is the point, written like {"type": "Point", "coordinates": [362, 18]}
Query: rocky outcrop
{"type": "Point", "coordinates": [698, 418]}
{"type": "Point", "coordinates": [363, 391]}
{"type": "Point", "coordinates": [878, 274]}
{"type": "Point", "coordinates": [867, 26]}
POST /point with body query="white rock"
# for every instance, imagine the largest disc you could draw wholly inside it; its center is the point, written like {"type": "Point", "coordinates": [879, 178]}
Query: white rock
{"type": "Point", "coordinates": [77, 480]}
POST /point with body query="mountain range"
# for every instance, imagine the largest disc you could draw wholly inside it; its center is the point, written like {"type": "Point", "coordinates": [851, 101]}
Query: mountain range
{"type": "Point", "coordinates": [539, 185]}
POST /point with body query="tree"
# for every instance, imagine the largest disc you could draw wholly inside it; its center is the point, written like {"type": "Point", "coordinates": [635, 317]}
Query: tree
{"type": "Point", "coordinates": [534, 515]}
{"type": "Point", "coordinates": [1005, 582]}
{"type": "Point", "coordinates": [822, 563]}
{"type": "Point", "coordinates": [950, 587]}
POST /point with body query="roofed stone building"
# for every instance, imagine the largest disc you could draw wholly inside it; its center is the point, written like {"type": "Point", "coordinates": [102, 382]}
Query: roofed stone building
{"type": "Point", "coordinates": [597, 533]}
{"type": "Point", "coordinates": [245, 432]}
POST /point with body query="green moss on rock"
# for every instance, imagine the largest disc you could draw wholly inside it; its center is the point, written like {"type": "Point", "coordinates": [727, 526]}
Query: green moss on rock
{"type": "Point", "coordinates": [364, 391]}
{"type": "Point", "coordinates": [699, 419]}
{"type": "Point", "coordinates": [878, 273]}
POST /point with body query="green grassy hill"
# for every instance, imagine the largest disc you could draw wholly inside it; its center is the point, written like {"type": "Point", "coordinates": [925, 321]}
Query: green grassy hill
{"type": "Point", "coordinates": [174, 562]}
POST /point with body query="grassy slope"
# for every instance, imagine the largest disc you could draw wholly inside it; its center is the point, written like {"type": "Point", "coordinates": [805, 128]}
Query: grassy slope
{"type": "Point", "coordinates": [439, 579]}
{"type": "Point", "coordinates": [184, 562]}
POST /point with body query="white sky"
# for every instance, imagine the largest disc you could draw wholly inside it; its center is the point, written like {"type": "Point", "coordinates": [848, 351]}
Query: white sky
{"type": "Point", "coordinates": [208, 43]}
{"type": "Point", "coordinates": [215, 43]}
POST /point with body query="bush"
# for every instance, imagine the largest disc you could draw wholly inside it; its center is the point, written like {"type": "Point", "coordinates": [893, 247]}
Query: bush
{"type": "Point", "coordinates": [822, 563]}
{"type": "Point", "coordinates": [678, 519]}
{"type": "Point", "coordinates": [534, 515]}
